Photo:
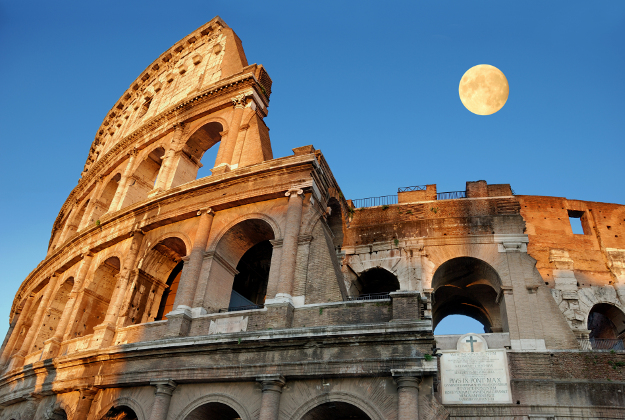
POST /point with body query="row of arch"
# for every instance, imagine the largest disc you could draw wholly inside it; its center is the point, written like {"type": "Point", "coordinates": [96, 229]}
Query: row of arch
{"type": "Point", "coordinates": [147, 173]}
{"type": "Point", "coordinates": [226, 408]}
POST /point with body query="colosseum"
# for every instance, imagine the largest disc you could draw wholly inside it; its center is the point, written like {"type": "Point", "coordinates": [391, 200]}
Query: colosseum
{"type": "Point", "coordinates": [261, 292]}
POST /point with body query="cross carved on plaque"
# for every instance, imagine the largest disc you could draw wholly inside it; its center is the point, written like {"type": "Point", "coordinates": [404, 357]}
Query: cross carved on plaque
{"type": "Point", "coordinates": [471, 341]}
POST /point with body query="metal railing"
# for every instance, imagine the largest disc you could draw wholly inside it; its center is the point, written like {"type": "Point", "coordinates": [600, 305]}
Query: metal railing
{"type": "Point", "coordinates": [370, 296]}
{"type": "Point", "coordinates": [241, 308]}
{"type": "Point", "coordinates": [384, 200]}
{"type": "Point", "coordinates": [451, 195]}
{"type": "Point", "coordinates": [601, 344]}
{"type": "Point", "coordinates": [413, 188]}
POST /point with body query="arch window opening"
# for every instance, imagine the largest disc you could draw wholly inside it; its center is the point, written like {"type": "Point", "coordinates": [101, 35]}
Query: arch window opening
{"type": "Point", "coordinates": [53, 315]}
{"type": "Point", "coordinates": [467, 287]}
{"type": "Point", "coordinates": [237, 255]}
{"type": "Point", "coordinates": [198, 154]}
{"type": "Point", "coordinates": [102, 206]}
{"type": "Point", "coordinates": [376, 283]}
{"type": "Point", "coordinates": [74, 221]}
{"type": "Point", "coordinates": [144, 178]}
{"type": "Point", "coordinates": [169, 295]}
{"type": "Point", "coordinates": [213, 411]}
{"type": "Point", "coordinates": [154, 287]}
{"type": "Point", "coordinates": [120, 413]}
{"type": "Point", "coordinates": [607, 327]}
{"type": "Point", "coordinates": [335, 410]}
{"type": "Point", "coordinates": [96, 299]}
{"type": "Point", "coordinates": [27, 324]}
{"type": "Point", "coordinates": [250, 284]}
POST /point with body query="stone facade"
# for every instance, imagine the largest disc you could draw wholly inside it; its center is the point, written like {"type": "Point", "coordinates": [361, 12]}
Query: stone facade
{"type": "Point", "coordinates": [261, 292]}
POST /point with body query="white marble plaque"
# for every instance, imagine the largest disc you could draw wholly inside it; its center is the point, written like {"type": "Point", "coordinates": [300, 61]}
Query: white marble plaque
{"type": "Point", "coordinates": [474, 374]}
{"type": "Point", "coordinates": [228, 325]}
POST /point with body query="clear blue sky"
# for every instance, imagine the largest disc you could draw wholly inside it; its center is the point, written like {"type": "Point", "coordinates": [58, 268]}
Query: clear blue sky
{"type": "Point", "coordinates": [374, 85]}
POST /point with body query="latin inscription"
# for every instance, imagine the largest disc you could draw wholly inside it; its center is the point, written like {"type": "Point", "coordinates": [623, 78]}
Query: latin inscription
{"type": "Point", "coordinates": [475, 378]}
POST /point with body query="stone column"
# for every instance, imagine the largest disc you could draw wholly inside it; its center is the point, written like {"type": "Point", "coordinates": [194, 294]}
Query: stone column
{"type": "Point", "coordinates": [272, 390]}
{"type": "Point", "coordinates": [290, 241]}
{"type": "Point", "coordinates": [407, 397]}
{"type": "Point", "coordinates": [191, 271]}
{"type": "Point", "coordinates": [84, 402]}
{"type": "Point", "coordinates": [18, 359]}
{"type": "Point", "coordinates": [164, 389]}
{"type": "Point", "coordinates": [226, 151]}
{"type": "Point", "coordinates": [103, 333]}
{"type": "Point", "coordinates": [53, 344]}
{"type": "Point", "coordinates": [16, 330]}
{"type": "Point", "coordinates": [92, 202]}
{"type": "Point", "coordinates": [168, 168]}
{"type": "Point", "coordinates": [123, 182]}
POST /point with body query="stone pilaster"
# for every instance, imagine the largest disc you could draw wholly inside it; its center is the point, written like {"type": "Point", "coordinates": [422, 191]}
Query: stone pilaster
{"type": "Point", "coordinates": [123, 182]}
{"type": "Point", "coordinates": [191, 270]}
{"type": "Point", "coordinates": [272, 390]}
{"type": "Point", "coordinates": [407, 397]}
{"type": "Point", "coordinates": [162, 398]}
{"type": "Point", "coordinates": [84, 402]}
{"type": "Point", "coordinates": [226, 149]}
{"type": "Point", "coordinates": [290, 241]}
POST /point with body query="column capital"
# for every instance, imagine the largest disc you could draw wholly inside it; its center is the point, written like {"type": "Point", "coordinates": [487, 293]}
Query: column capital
{"type": "Point", "coordinates": [133, 153]}
{"type": "Point", "coordinates": [208, 211]}
{"type": "Point", "coordinates": [276, 243]}
{"type": "Point", "coordinates": [297, 191]}
{"type": "Point", "coordinates": [407, 381]}
{"type": "Point", "coordinates": [164, 386]}
{"type": "Point", "coordinates": [271, 383]}
{"type": "Point", "coordinates": [239, 101]}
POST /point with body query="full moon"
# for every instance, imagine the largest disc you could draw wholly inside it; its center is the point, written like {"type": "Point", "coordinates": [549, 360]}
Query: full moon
{"type": "Point", "coordinates": [484, 89]}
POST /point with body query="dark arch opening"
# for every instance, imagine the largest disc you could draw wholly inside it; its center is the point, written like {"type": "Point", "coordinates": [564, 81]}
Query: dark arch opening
{"type": "Point", "coordinates": [251, 282]}
{"type": "Point", "coordinates": [335, 222]}
{"type": "Point", "coordinates": [467, 286]}
{"type": "Point", "coordinates": [251, 285]}
{"type": "Point", "coordinates": [169, 295]}
{"type": "Point", "coordinates": [58, 414]}
{"type": "Point", "coordinates": [607, 327]}
{"type": "Point", "coordinates": [154, 290]}
{"type": "Point", "coordinates": [213, 411]}
{"type": "Point", "coordinates": [336, 411]}
{"type": "Point", "coordinates": [377, 280]}
{"type": "Point", "coordinates": [120, 413]}
{"type": "Point", "coordinates": [198, 154]}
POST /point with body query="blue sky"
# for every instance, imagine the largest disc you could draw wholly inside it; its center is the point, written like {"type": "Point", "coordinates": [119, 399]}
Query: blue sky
{"type": "Point", "coordinates": [374, 85]}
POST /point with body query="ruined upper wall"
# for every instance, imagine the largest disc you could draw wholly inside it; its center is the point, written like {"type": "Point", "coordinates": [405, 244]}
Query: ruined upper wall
{"type": "Point", "coordinates": [210, 54]}
{"type": "Point", "coordinates": [597, 256]}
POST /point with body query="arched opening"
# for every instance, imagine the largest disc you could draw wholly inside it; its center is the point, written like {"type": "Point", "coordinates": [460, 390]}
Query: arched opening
{"type": "Point", "coordinates": [335, 222]}
{"type": "Point", "coordinates": [376, 282]}
{"type": "Point", "coordinates": [104, 203]}
{"type": "Point", "coordinates": [467, 286]}
{"type": "Point", "coordinates": [96, 298]}
{"type": "Point", "coordinates": [53, 315]}
{"type": "Point", "coordinates": [195, 160]}
{"type": "Point", "coordinates": [607, 327]}
{"type": "Point", "coordinates": [334, 410]}
{"type": "Point", "coordinates": [58, 414]}
{"type": "Point", "coordinates": [142, 181]}
{"type": "Point", "coordinates": [251, 285]}
{"type": "Point", "coordinates": [74, 221]}
{"type": "Point", "coordinates": [457, 325]}
{"type": "Point", "coordinates": [154, 288]}
{"type": "Point", "coordinates": [122, 412]}
{"type": "Point", "coordinates": [213, 411]}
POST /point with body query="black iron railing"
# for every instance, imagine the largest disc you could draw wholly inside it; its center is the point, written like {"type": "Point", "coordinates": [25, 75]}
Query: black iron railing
{"type": "Point", "coordinates": [384, 200]}
{"type": "Point", "coordinates": [413, 188]}
{"type": "Point", "coordinates": [451, 195]}
{"type": "Point", "coordinates": [601, 344]}
{"type": "Point", "coordinates": [241, 308]}
{"type": "Point", "coordinates": [370, 296]}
